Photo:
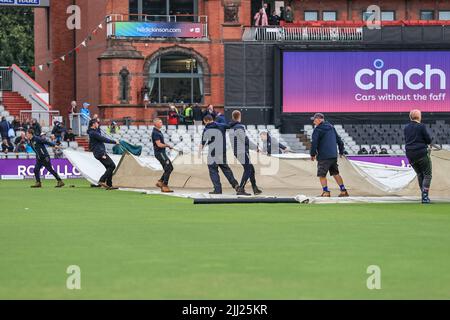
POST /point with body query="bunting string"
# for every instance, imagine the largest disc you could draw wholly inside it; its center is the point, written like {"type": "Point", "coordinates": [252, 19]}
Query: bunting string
{"type": "Point", "coordinates": [72, 52]}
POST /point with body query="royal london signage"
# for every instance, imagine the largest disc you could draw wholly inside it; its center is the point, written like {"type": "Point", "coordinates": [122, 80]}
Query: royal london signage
{"type": "Point", "coordinates": [26, 3]}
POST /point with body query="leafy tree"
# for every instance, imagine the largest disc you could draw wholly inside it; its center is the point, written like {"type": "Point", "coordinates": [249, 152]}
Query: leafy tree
{"type": "Point", "coordinates": [17, 37]}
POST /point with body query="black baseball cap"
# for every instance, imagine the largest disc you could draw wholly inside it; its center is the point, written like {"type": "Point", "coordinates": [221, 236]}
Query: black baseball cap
{"type": "Point", "coordinates": [318, 116]}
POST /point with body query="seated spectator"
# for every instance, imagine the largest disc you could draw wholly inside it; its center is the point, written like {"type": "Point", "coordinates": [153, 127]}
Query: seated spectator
{"type": "Point", "coordinates": [36, 127]}
{"type": "Point", "coordinates": [69, 136]}
{"type": "Point", "coordinates": [16, 124]}
{"type": "Point", "coordinates": [7, 146]}
{"type": "Point", "coordinates": [373, 151]}
{"type": "Point", "coordinates": [272, 145]}
{"type": "Point", "coordinates": [58, 131]}
{"type": "Point", "coordinates": [383, 151]}
{"type": "Point", "coordinates": [113, 128]}
{"type": "Point", "coordinates": [56, 151]}
{"type": "Point", "coordinates": [363, 151]}
{"type": "Point", "coordinates": [21, 143]}
{"type": "Point", "coordinates": [26, 125]}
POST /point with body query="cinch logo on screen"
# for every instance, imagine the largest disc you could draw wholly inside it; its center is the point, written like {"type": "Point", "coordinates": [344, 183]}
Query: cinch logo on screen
{"type": "Point", "coordinates": [414, 79]}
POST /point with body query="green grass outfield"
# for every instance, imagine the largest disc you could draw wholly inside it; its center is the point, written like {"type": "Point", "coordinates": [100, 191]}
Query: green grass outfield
{"type": "Point", "coordinates": [135, 246]}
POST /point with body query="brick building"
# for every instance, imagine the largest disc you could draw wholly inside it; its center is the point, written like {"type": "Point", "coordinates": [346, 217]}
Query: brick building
{"type": "Point", "coordinates": [120, 63]}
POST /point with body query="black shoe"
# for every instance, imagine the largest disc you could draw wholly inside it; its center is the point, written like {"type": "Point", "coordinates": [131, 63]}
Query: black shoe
{"type": "Point", "coordinates": [215, 192]}
{"type": "Point", "coordinates": [242, 192]}
{"type": "Point", "coordinates": [425, 198]}
{"type": "Point", "coordinates": [95, 186]}
{"type": "Point", "coordinates": [256, 191]}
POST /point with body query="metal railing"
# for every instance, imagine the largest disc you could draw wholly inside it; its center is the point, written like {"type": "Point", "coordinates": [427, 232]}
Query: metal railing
{"type": "Point", "coordinates": [79, 123]}
{"type": "Point", "coordinates": [5, 79]}
{"type": "Point", "coordinates": [112, 19]}
{"type": "Point", "coordinates": [276, 33]}
{"type": "Point", "coordinates": [42, 117]}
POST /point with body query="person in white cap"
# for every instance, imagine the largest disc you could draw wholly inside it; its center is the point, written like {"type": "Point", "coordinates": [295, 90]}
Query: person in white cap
{"type": "Point", "coordinates": [85, 114]}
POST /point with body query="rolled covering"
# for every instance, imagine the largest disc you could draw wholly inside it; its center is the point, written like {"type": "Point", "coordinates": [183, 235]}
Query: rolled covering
{"type": "Point", "coordinates": [125, 146]}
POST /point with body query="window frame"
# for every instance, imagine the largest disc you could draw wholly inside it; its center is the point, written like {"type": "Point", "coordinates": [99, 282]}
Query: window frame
{"type": "Point", "coordinates": [330, 11]}
{"type": "Point", "coordinates": [441, 11]}
{"type": "Point", "coordinates": [311, 11]}
{"type": "Point", "coordinates": [429, 10]}
{"type": "Point", "coordinates": [394, 14]}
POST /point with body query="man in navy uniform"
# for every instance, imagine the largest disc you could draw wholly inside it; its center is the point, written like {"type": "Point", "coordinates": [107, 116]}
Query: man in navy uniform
{"type": "Point", "coordinates": [214, 137]}
{"type": "Point", "coordinates": [417, 140]}
{"type": "Point", "coordinates": [42, 158]}
{"type": "Point", "coordinates": [159, 147]}
{"type": "Point", "coordinates": [97, 146]}
{"type": "Point", "coordinates": [324, 150]}
{"type": "Point", "coordinates": [241, 148]}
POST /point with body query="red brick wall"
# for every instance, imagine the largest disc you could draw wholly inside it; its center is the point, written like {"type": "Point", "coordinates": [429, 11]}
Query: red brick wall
{"type": "Point", "coordinates": [60, 75]}
{"type": "Point", "coordinates": [88, 66]}
{"type": "Point", "coordinates": [104, 89]}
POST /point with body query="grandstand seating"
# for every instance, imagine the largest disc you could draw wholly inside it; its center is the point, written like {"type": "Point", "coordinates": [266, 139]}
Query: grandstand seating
{"type": "Point", "coordinates": [188, 138]}
{"type": "Point", "coordinates": [388, 136]}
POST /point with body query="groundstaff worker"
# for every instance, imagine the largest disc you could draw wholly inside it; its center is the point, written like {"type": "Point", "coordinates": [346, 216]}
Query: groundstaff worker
{"type": "Point", "coordinates": [324, 150]}
{"type": "Point", "coordinates": [42, 158]}
{"type": "Point", "coordinates": [159, 147]}
{"type": "Point", "coordinates": [417, 140]}
{"type": "Point", "coordinates": [97, 146]}
{"type": "Point", "coordinates": [241, 148]}
{"type": "Point", "coordinates": [214, 137]}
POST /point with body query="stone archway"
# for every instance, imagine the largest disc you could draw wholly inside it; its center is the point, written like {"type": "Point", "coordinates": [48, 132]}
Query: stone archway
{"type": "Point", "coordinates": [186, 51]}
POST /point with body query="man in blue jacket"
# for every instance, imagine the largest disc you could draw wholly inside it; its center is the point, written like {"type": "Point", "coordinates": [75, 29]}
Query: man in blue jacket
{"type": "Point", "coordinates": [324, 150]}
{"type": "Point", "coordinates": [42, 158]}
{"type": "Point", "coordinates": [214, 137]}
{"type": "Point", "coordinates": [417, 140]}
{"type": "Point", "coordinates": [97, 146]}
{"type": "Point", "coordinates": [241, 148]}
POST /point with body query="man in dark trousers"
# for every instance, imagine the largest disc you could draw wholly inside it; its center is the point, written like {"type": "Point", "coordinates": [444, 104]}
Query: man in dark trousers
{"type": "Point", "coordinates": [417, 140]}
{"type": "Point", "coordinates": [42, 158]}
{"type": "Point", "coordinates": [324, 150]}
{"type": "Point", "coordinates": [197, 114]}
{"type": "Point", "coordinates": [241, 148]}
{"type": "Point", "coordinates": [159, 147]}
{"type": "Point", "coordinates": [214, 137]}
{"type": "Point", "coordinates": [97, 146]}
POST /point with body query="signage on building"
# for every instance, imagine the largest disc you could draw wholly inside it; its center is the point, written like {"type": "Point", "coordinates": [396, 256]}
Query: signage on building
{"type": "Point", "coordinates": [13, 169]}
{"type": "Point", "coordinates": [159, 29]}
{"type": "Point", "coordinates": [25, 3]}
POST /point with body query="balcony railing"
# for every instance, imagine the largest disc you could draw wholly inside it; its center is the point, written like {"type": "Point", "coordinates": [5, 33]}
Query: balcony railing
{"type": "Point", "coordinates": [276, 33]}
{"type": "Point", "coordinates": [156, 26]}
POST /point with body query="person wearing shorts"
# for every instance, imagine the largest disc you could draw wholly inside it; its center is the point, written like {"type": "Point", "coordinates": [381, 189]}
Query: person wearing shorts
{"type": "Point", "coordinates": [324, 148]}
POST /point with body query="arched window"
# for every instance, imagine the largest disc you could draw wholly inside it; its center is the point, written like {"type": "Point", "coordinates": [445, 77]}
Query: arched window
{"type": "Point", "coordinates": [175, 78]}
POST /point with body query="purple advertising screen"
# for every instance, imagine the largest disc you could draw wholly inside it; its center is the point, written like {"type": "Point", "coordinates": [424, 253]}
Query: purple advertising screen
{"type": "Point", "coordinates": [24, 169]}
{"type": "Point", "coordinates": [366, 81]}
